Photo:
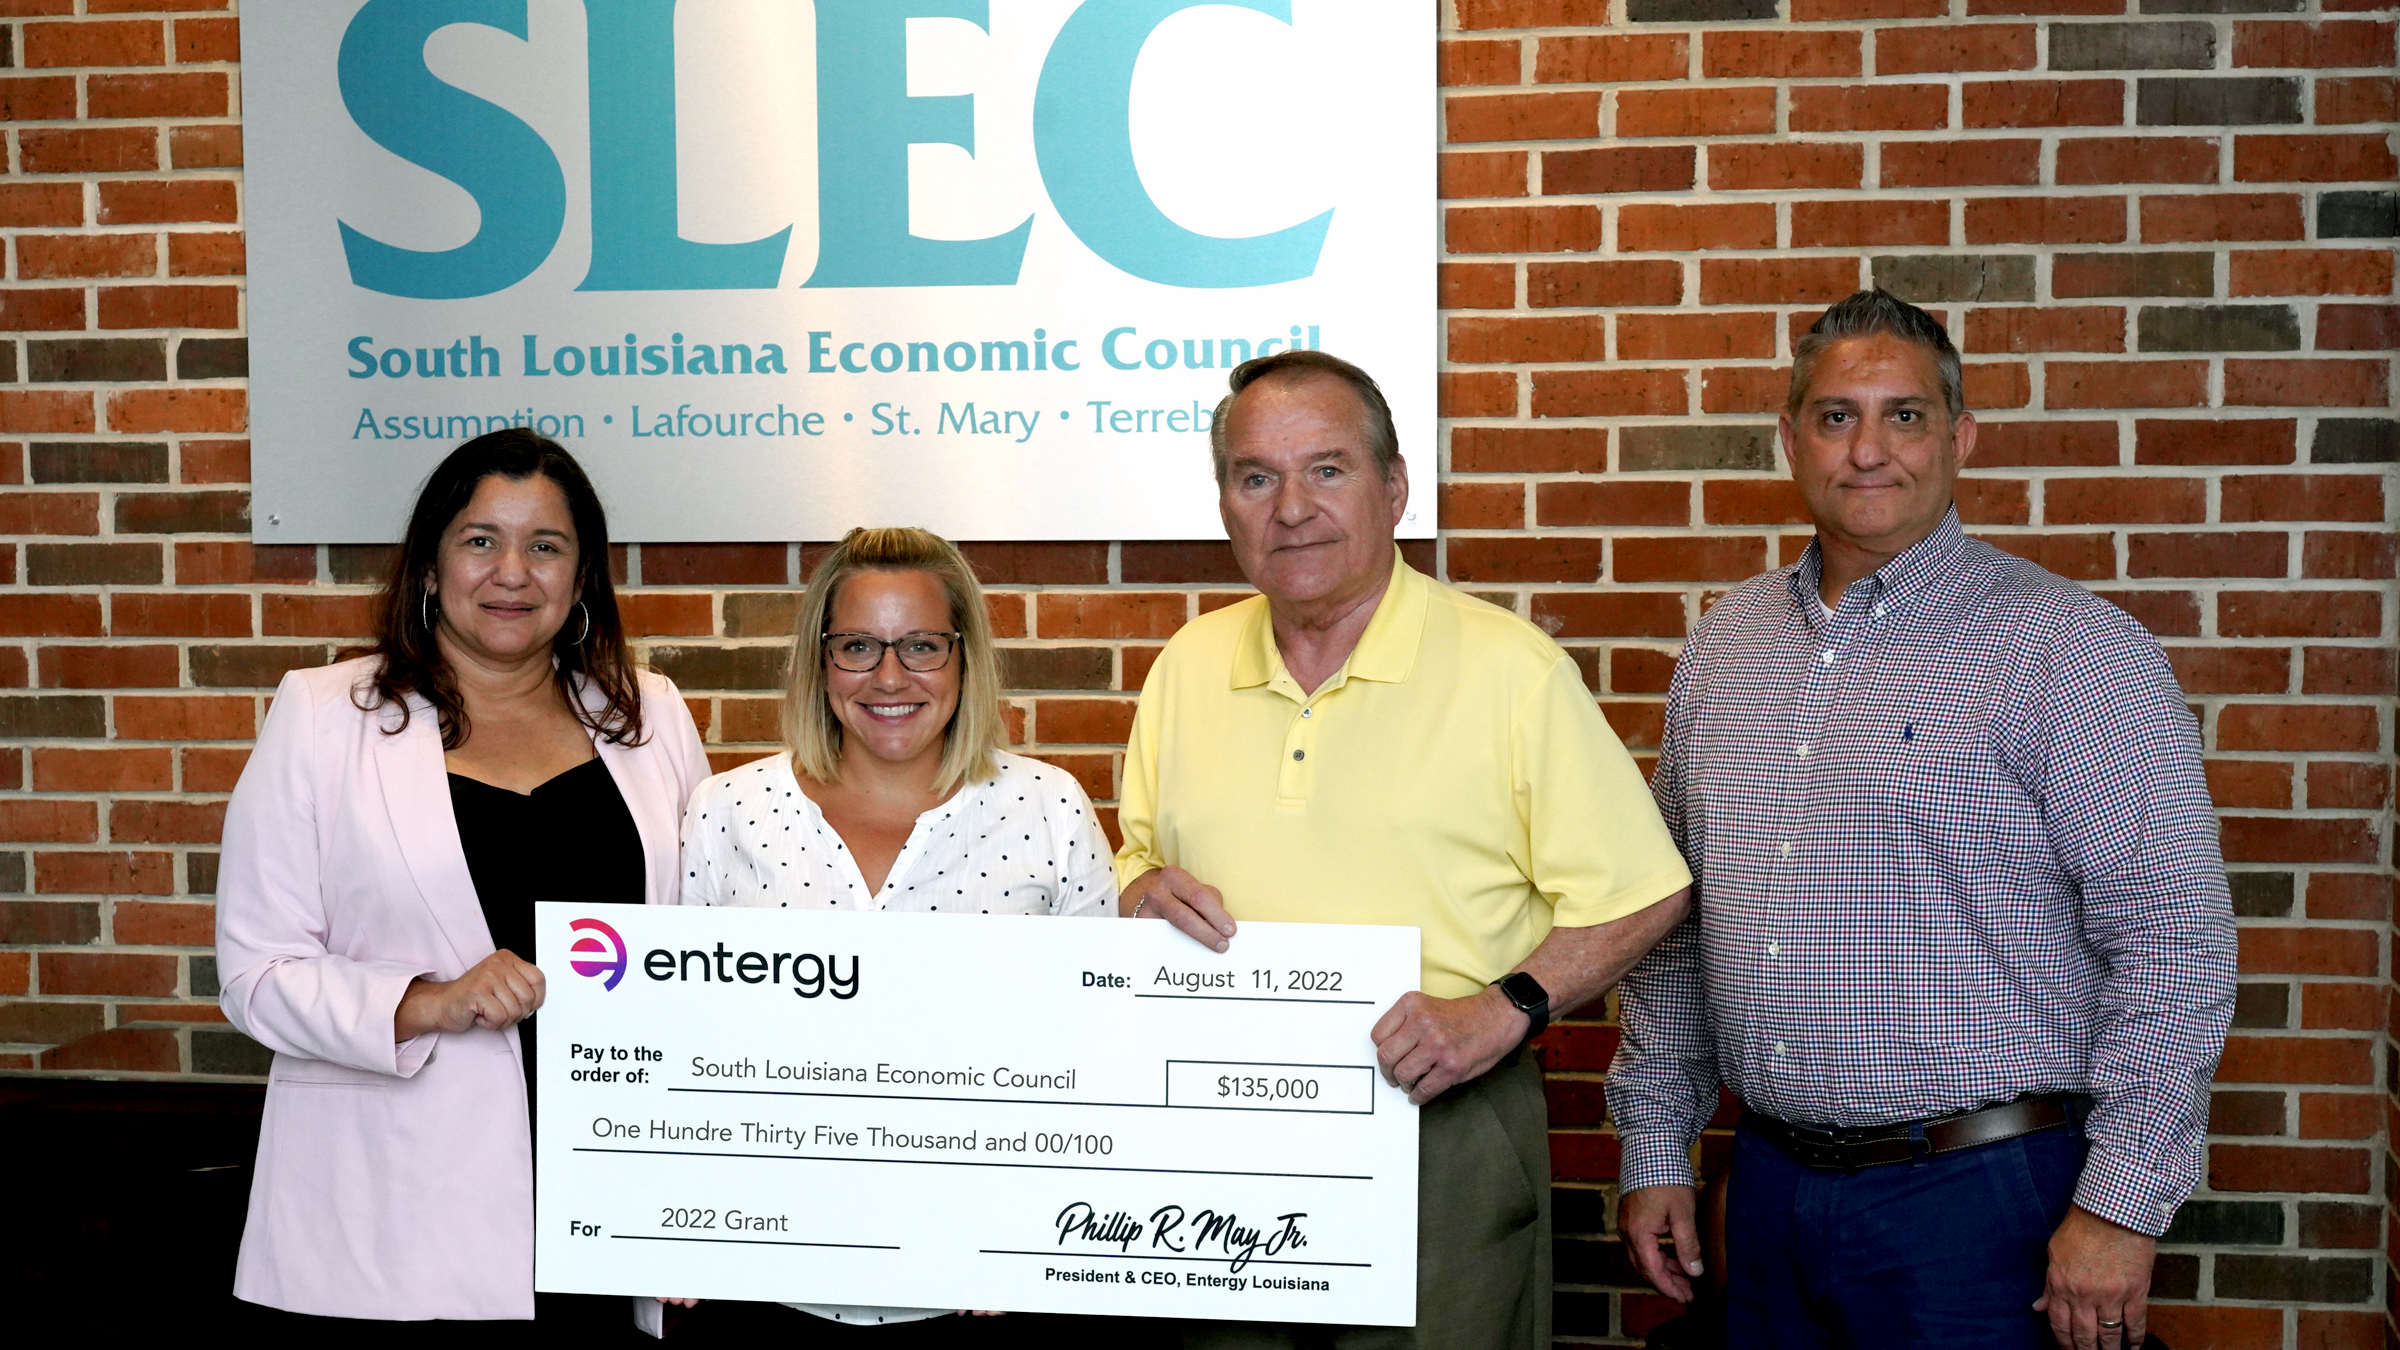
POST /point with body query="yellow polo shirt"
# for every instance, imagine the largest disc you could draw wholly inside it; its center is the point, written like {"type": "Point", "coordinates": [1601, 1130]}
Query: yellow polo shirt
{"type": "Point", "coordinates": [1454, 775]}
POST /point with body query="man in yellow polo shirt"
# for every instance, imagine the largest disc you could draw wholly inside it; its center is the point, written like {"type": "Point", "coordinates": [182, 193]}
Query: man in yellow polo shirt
{"type": "Point", "coordinates": [1362, 744]}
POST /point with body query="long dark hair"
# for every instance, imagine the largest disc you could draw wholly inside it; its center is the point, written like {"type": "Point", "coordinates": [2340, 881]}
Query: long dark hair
{"type": "Point", "coordinates": [411, 659]}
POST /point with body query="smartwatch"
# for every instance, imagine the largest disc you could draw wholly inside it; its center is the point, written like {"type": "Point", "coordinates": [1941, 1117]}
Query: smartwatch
{"type": "Point", "coordinates": [1530, 999]}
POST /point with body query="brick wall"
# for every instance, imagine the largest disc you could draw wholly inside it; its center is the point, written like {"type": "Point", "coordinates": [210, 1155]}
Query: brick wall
{"type": "Point", "coordinates": [2164, 239]}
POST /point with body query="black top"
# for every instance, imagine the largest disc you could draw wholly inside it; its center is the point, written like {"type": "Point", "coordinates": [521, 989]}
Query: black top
{"type": "Point", "coordinates": [569, 839]}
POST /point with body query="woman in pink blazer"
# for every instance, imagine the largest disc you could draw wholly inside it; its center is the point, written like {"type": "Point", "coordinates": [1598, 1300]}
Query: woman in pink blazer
{"type": "Point", "coordinates": [400, 815]}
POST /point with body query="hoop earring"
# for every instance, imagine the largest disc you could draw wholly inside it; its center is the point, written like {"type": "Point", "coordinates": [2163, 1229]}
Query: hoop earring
{"type": "Point", "coordinates": [425, 608]}
{"type": "Point", "coordinates": [582, 637]}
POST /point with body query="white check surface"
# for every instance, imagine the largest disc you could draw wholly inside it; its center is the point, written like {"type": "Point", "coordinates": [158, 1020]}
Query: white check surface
{"type": "Point", "coordinates": [953, 1111]}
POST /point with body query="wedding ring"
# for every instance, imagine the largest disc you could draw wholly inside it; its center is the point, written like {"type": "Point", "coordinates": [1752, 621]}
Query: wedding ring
{"type": "Point", "coordinates": [2110, 1326]}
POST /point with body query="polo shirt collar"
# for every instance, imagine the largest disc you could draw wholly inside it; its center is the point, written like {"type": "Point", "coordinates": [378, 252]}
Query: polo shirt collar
{"type": "Point", "coordinates": [1919, 563]}
{"type": "Point", "coordinates": [1386, 652]}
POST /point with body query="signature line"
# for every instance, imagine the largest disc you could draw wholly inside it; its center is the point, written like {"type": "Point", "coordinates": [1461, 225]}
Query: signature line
{"type": "Point", "coordinates": [1259, 998]}
{"type": "Point", "coordinates": [961, 1162]}
{"type": "Point", "coordinates": [1137, 1256]}
{"type": "Point", "coordinates": [752, 1242]}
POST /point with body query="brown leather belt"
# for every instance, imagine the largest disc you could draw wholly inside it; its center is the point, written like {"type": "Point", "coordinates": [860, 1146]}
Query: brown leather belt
{"type": "Point", "coordinates": [1834, 1150]}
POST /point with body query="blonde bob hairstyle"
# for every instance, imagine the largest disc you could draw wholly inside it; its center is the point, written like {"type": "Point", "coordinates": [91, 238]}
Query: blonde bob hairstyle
{"type": "Point", "coordinates": [976, 729]}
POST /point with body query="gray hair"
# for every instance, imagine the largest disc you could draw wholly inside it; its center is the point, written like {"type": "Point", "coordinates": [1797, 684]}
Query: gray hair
{"type": "Point", "coordinates": [1877, 313]}
{"type": "Point", "coordinates": [1383, 439]}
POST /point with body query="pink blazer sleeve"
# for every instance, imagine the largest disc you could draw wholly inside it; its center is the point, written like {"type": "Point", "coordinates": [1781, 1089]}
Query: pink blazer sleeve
{"type": "Point", "coordinates": [282, 987]}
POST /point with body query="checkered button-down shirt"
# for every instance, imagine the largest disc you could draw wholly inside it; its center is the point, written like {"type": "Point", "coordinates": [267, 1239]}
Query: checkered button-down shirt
{"type": "Point", "coordinates": [1952, 845]}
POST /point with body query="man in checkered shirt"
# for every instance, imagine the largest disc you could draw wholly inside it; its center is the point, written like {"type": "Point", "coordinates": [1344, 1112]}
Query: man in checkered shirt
{"type": "Point", "coordinates": [1961, 940]}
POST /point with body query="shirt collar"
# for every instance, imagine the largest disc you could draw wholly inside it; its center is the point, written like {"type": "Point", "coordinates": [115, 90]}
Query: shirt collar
{"type": "Point", "coordinates": [1386, 652]}
{"type": "Point", "coordinates": [1918, 563]}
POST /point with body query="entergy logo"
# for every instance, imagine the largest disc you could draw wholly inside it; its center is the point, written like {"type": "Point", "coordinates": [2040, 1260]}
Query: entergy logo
{"type": "Point", "coordinates": [610, 960]}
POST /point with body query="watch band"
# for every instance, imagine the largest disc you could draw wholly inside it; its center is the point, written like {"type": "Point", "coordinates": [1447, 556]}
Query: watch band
{"type": "Point", "coordinates": [1527, 994]}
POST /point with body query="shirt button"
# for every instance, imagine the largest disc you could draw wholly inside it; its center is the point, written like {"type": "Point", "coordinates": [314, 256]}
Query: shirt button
{"type": "Point", "coordinates": [1779, 1047]}
{"type": "Point", "coordinates": [1785, 848]}
{"type": "Point", "coordinates": [1879, 611]}
{"type": "Point", "coordinates": [1825, 657]}
{"type": "Point", "coordinates": [1308, 712]}
{"type": "Point", "coordinates": [1774, 949]}
{"type": "Point", "coordinates": [1299, 754]}
{"type": "Point", "coordinates": [1801, 750]}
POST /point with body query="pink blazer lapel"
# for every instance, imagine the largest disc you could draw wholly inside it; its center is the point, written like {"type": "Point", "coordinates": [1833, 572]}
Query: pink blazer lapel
{"type": "Point", "coordinates": [416, 791]}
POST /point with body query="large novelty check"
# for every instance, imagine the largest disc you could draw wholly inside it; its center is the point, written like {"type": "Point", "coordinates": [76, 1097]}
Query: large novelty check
{"type": "Point", "coordinates": [938, 1111]}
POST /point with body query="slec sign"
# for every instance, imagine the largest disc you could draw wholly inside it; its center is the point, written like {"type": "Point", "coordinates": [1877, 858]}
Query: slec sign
{"type": "Point", "coordinates": [773, 269]}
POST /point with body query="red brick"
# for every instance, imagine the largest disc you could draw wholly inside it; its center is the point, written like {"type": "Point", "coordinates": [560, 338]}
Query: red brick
{"type": "Point", "coordinates": [1522, 340]}
{"type": "Point", "coordinates": [49, 513]}
{"type": "Point", "coordinates": [1825, 11]}
{"type": "Point", "coordinates": [1753, 501]}
{"type": "Point", "coordinates": [2341, 1007]}
{"type": "Point", "coordinates": [1551, 558]}
{"type": "Point", "coordinates": [2295, 1059]}
{"type": "Point", "coordinates": [2316, 496]}
{"type": "Point", "coordinates": [1640, 670]}
{"type": "Point", "coordinates": [1784, 165]}
{"type": "Point", "coordinates": [2331, 614]}
{"type": "Point", "coordinates": [2342, 729]}
{"type": "Point", "coordinates": [193, 94]}
{"type": "Point", "coordinates": [2316, 271]}
{"type": "Point", "coordinates": [1867, 222]}
{"type": "Point", "coordinates": [1583, 285]}
{"type": "Point", "coordinates": [1610, 614]}
{"type": "Point", "coordinates": [2249, 785]}
{"type": "Point", "coordinates": [2135, 159]}
{"type": "Point", "coordinates": [2077, 557]}
{"type": "Point", "coordinates": [186, 717]}
{"type": "Point", "coordinates": [110, 668]}
{"type": "Point", "coordinates": [1994, 501]}
{"type": "Point", "coordinates": [2356, 555]}
{"type": "Point", "coordinates": [2016, 104]}
{"type": "Point", "coordinates": [1522, 117]}
{"type": "Point", "coordinates": [1619, 168]}
{"type": "Point", "coordinates": [1523, 229]}
{"type": "Point", "coordinates": [39, 821]}
{"type": "Point", "coordinates": [215, 462]}
{"type": "Point", "coordinates": [44, 257]}
{"type": "Point", "coordinates": [124, 43]}
{"type": "Point", "coordinates": [2331, 45]}
{"type": "Point", "coordinates": [121, 873]}
{"type": "Point", "coordinates": [2046, 220]}
{"type": "Point", "coordinates": [49, 615]}
{"type": "Point", "coordinates": [1637, 502]}
{"type": "Point", "coordinates": [1482, 173]}
{"type": "Point", "coordinates": [2126, 384]}
{"type": "Point", "coordinates": [206, 410]}
{"type": "Point", "coordinates": [71, 769]}
{"type": "Point", "coordinates": [2281, 839]}
{"type": "Point", "coordinates": [1684, 337]}
{"type": "Point", "coordinates": [353, 616]}
{"type": "Point", "coordinates": [1084, 721]}
{"type": "Point", "coordinates": [2338, 1115]}
{"type": "Point", "coordinates": [1716, 111]}
{"type": "Point", "coordinates": [1475, 14]}
{"type": "Point", "coordinates": [151, 923]}
{"type": "Point", "coordinates": [2331, 158]}
{"type": "Point", "coordinates": [1702, 558]}
{"type": "Point", "coordinates": [88, 150]}
{"type": "Point", "coordinates": [136, 202]}
{"type": "Point", "coordinates": [1679, 229]}
{"type": "Point", "coordinates": [1744, 389]}
{"type": "Point", "coordinates": [212, 769]}
{"type": "Point", "coordinates": [1949, 47]}
{"type": "Point", "coordinates": [138, 822]}
{"type": "Point", "coordinates": [1776, 281]}
{"type": "Point", "coordinates": [1870, 107]}
{"type": "Point", "coordinates": [1478, 394]}
{"type": "Point", "coordinates": [206, 255]}
{"type": "Point", "coordinates": [2210, 217]}
{"type": "Point", "coordinates": [2146, 501]}
{"type": "Point", "coordinates": [1592, 58]}
{"type": "Point", "coordinates": [1483, 506]}
{"type": "Point", "coordinates": [1980, 8]}
{"type": "Point", "coordinates": [2345, 785]}
{"type": "Point", "coordinates": [2211, 554]}
{"type": "Point", "coordinates": [107, 973]}
{"type": "Point", "coordinates": [1778, 54]}
{"type": "Point", "coordinates": [2363, 98]}
{"type": "Point", "coordinates": [1961, 163]}
{"type": "Point", "coordinates": [2358, 328]}
{"type": "Point", "coordinates": [1998, 385]}
{"type": "Point", "coordinates": [2064, 328]}
{"type": "Point", "coordinates": [2231, 670]}
{"type": "Point", "coordinates": [1528, 450]}
{"type": "Point", "coordinates": [41, 204]}
{"type": "Point", "coordinates": [205, 147]}
{"type": "Point", "coordinates": [220, 562]}
{"type": "Point", "coordinates": [205, 41]}
{"type": "Point", "coordinates": [1114, 614]}
{"type": "Point", "coordinates": [2164, 613]}
{"type": "Point", "coordinates": [2349, 671]}
{"type": "Point", "coordinates": [2306, 384]}
{"type": "Point", "coordinates": [1496, 61]}
{"type": "Point", "coordinates": [170, 306]}
{"type": "Point", "coordinates": [37, 98]}
{"type": "Point", "coordinates": [1610, 393]}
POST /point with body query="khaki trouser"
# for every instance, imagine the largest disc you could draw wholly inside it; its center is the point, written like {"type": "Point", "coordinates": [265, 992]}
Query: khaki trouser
{"type": "Point", "coordinates": [1483, 1231]}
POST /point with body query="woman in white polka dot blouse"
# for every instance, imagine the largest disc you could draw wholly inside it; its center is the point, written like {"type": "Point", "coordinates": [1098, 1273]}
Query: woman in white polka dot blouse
{"type": "Point", "coordinates": [895, 793]}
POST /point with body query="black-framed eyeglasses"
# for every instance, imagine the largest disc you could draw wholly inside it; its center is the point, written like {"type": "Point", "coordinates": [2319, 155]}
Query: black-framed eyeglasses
{"type": "Point", "coordinates": [860, 653]}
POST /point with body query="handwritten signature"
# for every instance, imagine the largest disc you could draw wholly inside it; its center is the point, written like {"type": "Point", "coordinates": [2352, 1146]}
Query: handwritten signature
{"type": "Point", "coordinates": [1172, 1228]}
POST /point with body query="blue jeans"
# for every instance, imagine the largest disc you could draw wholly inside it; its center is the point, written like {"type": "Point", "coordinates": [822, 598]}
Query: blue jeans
{"type": "Point", "coordinates": [1947, 1251]}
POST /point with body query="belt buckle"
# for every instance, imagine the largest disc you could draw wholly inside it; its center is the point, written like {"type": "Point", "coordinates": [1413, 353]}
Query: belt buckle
{"type": "Point", "coordinates": [1820, 1149]}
